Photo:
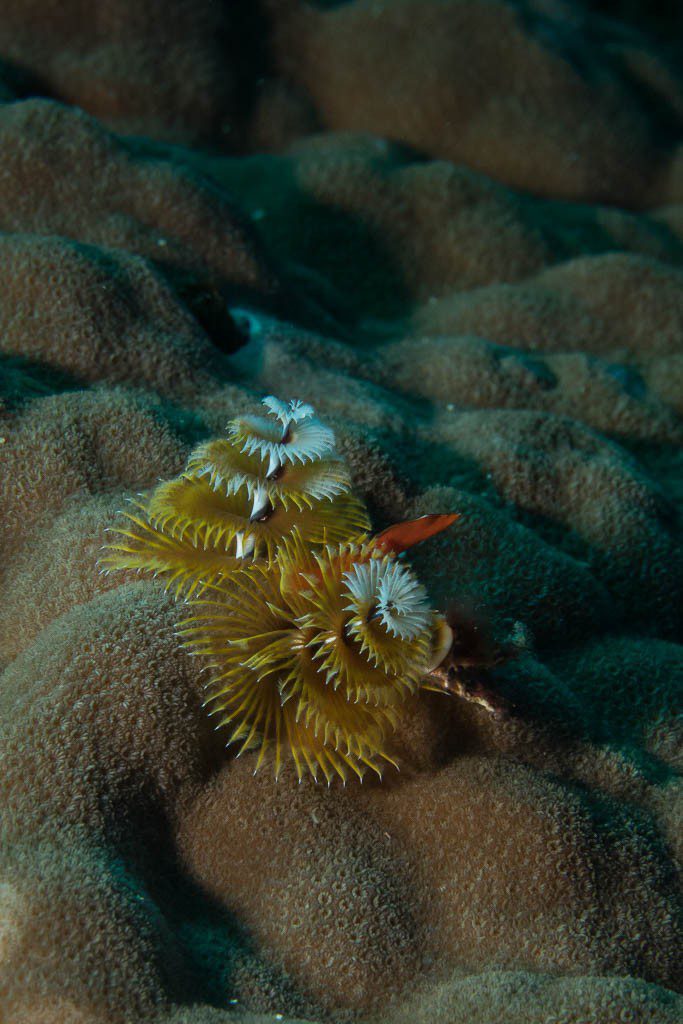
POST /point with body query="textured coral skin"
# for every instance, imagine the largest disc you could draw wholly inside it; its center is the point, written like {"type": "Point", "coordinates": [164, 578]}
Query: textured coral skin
{"type": "Point", "coordinates": [477, 344]}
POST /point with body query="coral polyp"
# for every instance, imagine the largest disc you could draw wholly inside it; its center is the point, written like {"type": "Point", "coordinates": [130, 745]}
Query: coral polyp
{"type": "Point", "coordinates": [317, 637]}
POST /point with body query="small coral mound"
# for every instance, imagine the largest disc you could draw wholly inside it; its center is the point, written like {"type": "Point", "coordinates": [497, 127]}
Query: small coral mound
{"type": "Point", "coordinates": [317, 636]}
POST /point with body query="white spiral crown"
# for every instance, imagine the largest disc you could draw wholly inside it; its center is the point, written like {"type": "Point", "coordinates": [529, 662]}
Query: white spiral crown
{"type": "Point", "coordinates": [389, 590]}
{"type": "Point", "coordinates": [299, 437]}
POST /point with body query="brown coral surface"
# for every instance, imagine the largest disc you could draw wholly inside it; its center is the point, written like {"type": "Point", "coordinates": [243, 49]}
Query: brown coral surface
{"type": "Point", "coordinates": [455, 227]}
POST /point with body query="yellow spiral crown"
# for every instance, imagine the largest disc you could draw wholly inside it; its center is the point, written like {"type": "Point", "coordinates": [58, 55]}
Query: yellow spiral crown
{"type": "Point", "coordinates": [238, 498]}
{"type": "Point", "coordinates": [316, 653]}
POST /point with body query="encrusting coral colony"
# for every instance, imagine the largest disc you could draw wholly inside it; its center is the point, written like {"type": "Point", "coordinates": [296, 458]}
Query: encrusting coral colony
{"type": "Point", "coordinates": [317, 635]}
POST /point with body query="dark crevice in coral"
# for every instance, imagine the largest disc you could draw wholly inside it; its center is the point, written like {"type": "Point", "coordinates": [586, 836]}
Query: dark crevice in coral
{"type": "Point", "coordinates": [22, 379]}
{"type": "Point", "coordinates": [202, 947]}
